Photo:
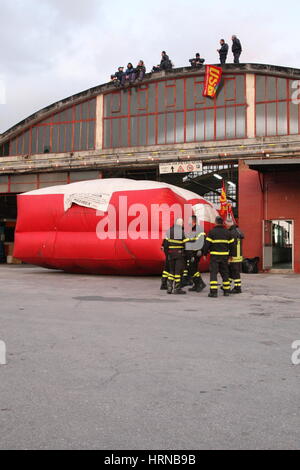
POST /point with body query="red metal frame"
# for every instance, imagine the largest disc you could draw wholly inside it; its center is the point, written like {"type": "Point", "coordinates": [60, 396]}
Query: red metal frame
{"type": "Point", "coordinates": [37, 182]}
{"type": "Point", "coordinates": [171, 108]}
{"type": "Point", "coordinates": [265, 102]}
{"type": "Point", "coordinates": [49, 122]}
{"type": "Point", "coordinates": [140, 91]}
{"type": "Point", "coordinates": [170, 84]}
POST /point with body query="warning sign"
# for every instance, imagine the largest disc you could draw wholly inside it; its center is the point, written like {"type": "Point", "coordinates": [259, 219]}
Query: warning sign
{"type": "Point", "coordinates": [180, 167]}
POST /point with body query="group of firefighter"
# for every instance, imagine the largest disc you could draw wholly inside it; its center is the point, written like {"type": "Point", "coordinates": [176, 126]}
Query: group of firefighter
{"type": "Point", "coordinates": [184, 252]}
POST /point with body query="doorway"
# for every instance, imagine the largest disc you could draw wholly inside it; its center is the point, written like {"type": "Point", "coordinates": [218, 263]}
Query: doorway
{"type": "Point", "coordinates": [279, 245]}
{"type": "Point", "coordinates": [8, 216]}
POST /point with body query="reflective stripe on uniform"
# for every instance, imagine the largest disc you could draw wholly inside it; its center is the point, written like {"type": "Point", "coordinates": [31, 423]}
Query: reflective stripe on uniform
{"type": "Point", "coordinates": [220, 241]}
{"type": "Point", "coordinates": [196, 238]}
{"type": "Point", "coordinates": [170, 240]}
{"type": "Point", "coordinates": [221, 253]}
{"type": "Point", "coordinates": [214, 285]}
{"type": "Point", "coordinates": [236, 259]}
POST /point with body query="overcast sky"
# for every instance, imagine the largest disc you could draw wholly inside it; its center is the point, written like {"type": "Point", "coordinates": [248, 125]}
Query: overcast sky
{"type": "Point", "coordinates": [51, 49]}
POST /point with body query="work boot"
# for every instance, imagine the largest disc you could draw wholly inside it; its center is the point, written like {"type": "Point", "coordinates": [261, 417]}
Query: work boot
{"type": "Point", "coordinates": [170, 286]}
{"type": "Point", "coordinates": [236, 290]}
{"type": "Point", "coordinates": [226, 293]}
{"type": "Point", "coordinates": [164, 284]}
{"type": "Point", "coordinates": [213, 294]}
{"type": "Point", "coordinates": [201, 285]}
{"type": "Point", "coordinates": [195, 286]}
{"type": "Point", "coordinates": [186, 281]}
{"type": "Point", "coordinates": [178, 290]}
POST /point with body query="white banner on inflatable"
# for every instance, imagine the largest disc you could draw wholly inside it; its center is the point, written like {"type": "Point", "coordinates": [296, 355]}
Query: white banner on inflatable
{"type": "Point", "coordinates": [99, 202]}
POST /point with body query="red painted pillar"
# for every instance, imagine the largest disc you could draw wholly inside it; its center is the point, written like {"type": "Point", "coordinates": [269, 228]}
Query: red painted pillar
{"type": "Point", "coordinates": [251, 211]}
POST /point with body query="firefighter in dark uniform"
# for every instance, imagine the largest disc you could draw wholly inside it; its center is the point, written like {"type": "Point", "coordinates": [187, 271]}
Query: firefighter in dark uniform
{"type": "Point", "coordinates": [219, 243]}
{"type": "Point", "coordinates": [193, 253]}
{"type": "Point", "coordinates": [174, 244]}
{"type": "Point", "coordinates": [166, 272]}
{"type": "Point", "coordinates": [236, 260]}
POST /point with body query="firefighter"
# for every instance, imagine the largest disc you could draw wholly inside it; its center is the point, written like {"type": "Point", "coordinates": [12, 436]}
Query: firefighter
{"type": "Point", "coordinates": [166, 271]}
{"type": "Point", "coordinates": [174, 244]}
{"type": "Point", "coordinates": [219, 243]}
{"type": "Point", "coordinates": [193, 252]}
{"type": "Point", "coordinates": [236, 260]}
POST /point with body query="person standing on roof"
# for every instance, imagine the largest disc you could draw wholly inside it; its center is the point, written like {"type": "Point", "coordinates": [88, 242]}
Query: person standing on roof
{"type": "Point", "coordinates": [223, 52]}
{"type": "Point", "coordinates": [236, 49]}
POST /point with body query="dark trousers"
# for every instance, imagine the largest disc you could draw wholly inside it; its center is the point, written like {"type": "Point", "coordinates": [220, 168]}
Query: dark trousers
{"type": "Point", "coordinates": [235, 270]}
{"type": "Point", "coordinates": [219, 264]}
{"type": "Point", "coordinates": [141, 75]}
{"type": "Point", "coordinates": [193, 265]}
{"type": "Point", "coordinates": [131, 77]}
{"type": "Point", "coordinates": [121, 79]}
{"type": "Point", "coordinates": [237, 56]}
{"type": "Point", "coordinates": [176, 266]}
{"type": "Point", "coordinates": [2, 253]}
{"type": "Point", "coordinates": [166, 65]}
{"type": "Point", "coordinates": [166, 271]}
{"type": "Point", "coordinates": [223, 59]}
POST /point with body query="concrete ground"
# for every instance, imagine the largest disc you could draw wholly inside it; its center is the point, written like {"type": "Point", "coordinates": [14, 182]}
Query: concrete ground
{"type": "Point", "coordinates": [113, 363]}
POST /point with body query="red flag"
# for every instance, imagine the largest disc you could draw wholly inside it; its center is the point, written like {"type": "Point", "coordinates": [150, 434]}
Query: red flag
{"type": "Point", "coordinates": [226, 211]}
{"type": "Point", "coordinates": [213, 76]}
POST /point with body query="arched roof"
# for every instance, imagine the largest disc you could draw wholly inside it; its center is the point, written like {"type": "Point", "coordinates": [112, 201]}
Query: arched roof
{"type": "Point", "coordinates": [60, 105]}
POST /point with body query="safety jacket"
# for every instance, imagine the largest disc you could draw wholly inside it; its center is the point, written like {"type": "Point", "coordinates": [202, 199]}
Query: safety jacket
{"type": "Point", "coordinates": [195, 239]}
{"type": "Point", "coordinates": [175, 240]}
{"type": "Point", "coordinates": [219, 242]}
{"type": "Point", "coordinates": [237, 250]}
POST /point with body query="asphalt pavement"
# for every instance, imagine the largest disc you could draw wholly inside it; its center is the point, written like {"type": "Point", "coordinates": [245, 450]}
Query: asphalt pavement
{"type": "Point", "coordinates": [114, 363]}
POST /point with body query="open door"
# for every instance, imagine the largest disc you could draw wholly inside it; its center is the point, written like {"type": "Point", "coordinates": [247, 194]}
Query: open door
{"type": "Point", "coordinates": [278, 245]}
{"type": "Point", "coordinates": [267, 245]}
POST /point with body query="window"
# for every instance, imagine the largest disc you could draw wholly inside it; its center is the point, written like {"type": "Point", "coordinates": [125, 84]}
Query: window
{"type": "Point", "coordinates": [276, 112]}
{"type": "Point", "coordinates": [174, 111]}
{"type": "Point", "coordinates": [69, 130]}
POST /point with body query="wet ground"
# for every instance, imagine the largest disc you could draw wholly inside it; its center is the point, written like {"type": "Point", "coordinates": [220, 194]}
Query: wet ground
{"type": "Point", "coordinates": [113, 363]}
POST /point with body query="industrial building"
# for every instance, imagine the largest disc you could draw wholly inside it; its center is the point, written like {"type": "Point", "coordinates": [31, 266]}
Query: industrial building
{"type": "Point", "coordinates": [164, 129]}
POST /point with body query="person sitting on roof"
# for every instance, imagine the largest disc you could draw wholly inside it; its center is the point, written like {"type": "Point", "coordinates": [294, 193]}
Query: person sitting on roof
{"type": "Point", "coordinates": [155, 68]}
{"type": "Point", "coordinates": [118, 78]}
{"type": "Point", "coordinates": [165, 63]}
{"type": "Point", "coordinates": [140, 71]}
{"type": "Point", "coordinates": [197, 61]}
{"type": "Point", "coordinates": [130, 73]}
